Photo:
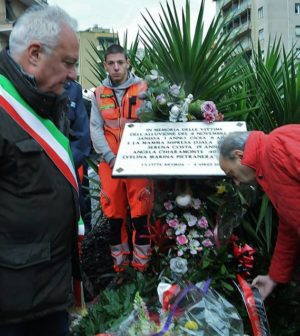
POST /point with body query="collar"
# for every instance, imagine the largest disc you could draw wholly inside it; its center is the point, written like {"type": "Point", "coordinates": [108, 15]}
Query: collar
{"type": "Point", "coordinates": [253, 152]}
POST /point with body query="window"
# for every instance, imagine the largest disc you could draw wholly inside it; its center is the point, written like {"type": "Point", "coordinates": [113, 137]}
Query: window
{"type": "Point", "coordinates": [297, 30]}
{"type": "Point", "coordinates": [261, 34]}
{"type": "Point", "coordinates": [260, 12]}
{"type": "Point", "coordinates": [297, 8]}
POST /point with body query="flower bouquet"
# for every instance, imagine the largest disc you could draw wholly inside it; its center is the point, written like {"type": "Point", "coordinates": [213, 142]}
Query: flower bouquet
{"type": "Point", "coordinates": [188, 227]}
{"type": "Point", "coordinates": [189, 310]}
{"type": "Point", "coordinates": [165, 102]}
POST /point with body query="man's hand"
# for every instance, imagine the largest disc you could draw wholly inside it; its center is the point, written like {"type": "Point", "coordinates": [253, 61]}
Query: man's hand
{"type": "Point", "coordinates": [264, 284]}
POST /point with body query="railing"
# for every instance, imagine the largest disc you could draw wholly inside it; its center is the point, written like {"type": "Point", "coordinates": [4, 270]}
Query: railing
{"type": "Point", "coordinates": [241, 8]}
{"type": "Point", "coordinates": [240, 30]}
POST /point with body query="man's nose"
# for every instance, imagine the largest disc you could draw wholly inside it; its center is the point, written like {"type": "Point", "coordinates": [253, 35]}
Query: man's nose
{"type": "Point", "coordinates": [72, 74]}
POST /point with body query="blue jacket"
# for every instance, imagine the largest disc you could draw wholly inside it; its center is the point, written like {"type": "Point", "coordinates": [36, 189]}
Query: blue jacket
{"type": "Point", "coordinates": [80, 140]}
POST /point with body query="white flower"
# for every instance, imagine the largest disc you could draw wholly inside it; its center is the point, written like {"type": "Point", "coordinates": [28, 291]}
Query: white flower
{"type": "Point", "coordinates": [193, 234]}
{"type": "Point", "coordinates": [178, 265]}
{"type": "Point", "coordinates": [154, 76]}
{"type": "Point", "coordinates": [180, 229]}
{"type": "Point", "coordinates": [196, 203]}
{"type": "Point", "coordinates": [175, 90]}
{"type": "Point", "coordinates": [183, 201]}
{"type": "Point", "coordinates": [191, 219]}
{"type": "Point", "coordinates": [193, 246]}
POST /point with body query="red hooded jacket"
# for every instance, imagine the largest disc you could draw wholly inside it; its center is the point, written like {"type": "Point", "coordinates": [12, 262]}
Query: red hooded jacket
{"type": "Point", "coordinates": [276, 160]}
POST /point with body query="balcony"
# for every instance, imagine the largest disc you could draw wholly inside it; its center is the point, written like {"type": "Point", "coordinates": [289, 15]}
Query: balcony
{"type": "Point", "coordinates": [243, 29]}
{"type": "Point", "coordinates": [241, 9]}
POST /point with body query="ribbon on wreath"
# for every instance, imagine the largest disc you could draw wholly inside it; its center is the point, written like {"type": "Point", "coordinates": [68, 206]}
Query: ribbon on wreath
{"type": "Point", "coordinates": [255, 308]}
{"type": "Point", "coordinates": [244, 255]}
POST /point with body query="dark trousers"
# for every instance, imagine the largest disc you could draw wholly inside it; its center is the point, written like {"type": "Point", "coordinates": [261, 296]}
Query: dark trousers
{"type": "Point", "coordinates": [56, 324]}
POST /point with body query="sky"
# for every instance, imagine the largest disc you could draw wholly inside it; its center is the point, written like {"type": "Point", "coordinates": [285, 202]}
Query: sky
{"type": "Point", "coordinates": [122, 15]}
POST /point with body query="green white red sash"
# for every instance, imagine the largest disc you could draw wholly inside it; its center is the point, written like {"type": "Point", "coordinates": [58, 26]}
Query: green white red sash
{"type": "Point", "coordinates": [55, 144]}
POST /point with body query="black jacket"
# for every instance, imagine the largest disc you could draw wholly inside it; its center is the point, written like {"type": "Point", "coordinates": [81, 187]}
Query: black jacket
{"type": "Point", "coordinates": [38, 212]}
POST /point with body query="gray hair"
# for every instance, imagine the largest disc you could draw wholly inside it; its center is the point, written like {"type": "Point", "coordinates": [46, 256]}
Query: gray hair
{"type": "Point", "coordinates": [231, 142]}
{"type": "Point", "coordinates": [40, 23]}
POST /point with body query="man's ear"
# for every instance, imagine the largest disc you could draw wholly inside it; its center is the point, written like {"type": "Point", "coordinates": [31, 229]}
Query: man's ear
{"type": "Point", "coordinates": [105, 66]}
{"type": "Point", "coordinates": [34, 52]}
{"type": "Point", "coordinates": [238, 154]}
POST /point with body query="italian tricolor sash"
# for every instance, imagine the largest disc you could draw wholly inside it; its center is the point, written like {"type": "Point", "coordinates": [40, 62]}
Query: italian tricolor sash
{"type": "Point", "coordinates": [55, 144]}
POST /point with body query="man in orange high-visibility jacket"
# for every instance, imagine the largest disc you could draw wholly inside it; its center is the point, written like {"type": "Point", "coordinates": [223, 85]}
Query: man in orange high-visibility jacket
{"type": "Point", "coordinates": [116, 103]}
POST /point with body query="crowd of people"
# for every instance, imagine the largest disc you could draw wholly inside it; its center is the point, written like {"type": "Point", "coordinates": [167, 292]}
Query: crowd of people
{"type": "Point", "coordinates": [46, 136]}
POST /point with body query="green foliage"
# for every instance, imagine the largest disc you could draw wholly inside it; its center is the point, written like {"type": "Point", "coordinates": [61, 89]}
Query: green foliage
{"type": "Point", "coordinates": [205, 64]}
{"type": "Point", "coordinates": [112, 308]}
{"type": "Point", "coordinates": [274, 86]}
{"type": "Point", "coordinates": [115, 303]}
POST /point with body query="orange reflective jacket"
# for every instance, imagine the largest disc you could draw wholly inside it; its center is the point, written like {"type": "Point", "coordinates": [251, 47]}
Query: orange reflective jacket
{"type": "Point", "coordinates": [115, 117]}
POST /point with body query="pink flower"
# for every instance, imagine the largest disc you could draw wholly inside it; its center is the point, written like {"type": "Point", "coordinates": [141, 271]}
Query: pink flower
{"type": "Point", "coordinates": [209, 111]}
{"type": "Point", "coordinates": [207, 243]}
{"type": "Point", "coordinates": [202, 223]}
{"type": "Point", "coordinates": [208, 234]}
{"type": "Point", "coordinates": [209, 117]}
{"type": "Point", "coordinates": [173, 223]}
{"type": "Point", "coordinates": [168, 205]}
{"type": "Point", "coordinates": [182, 240]}
{"type": "Point", "coordinates": [209, 107]}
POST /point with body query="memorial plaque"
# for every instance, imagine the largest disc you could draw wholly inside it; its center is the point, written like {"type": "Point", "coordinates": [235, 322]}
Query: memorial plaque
{"type": "Point", "coordinates": [166, 149]}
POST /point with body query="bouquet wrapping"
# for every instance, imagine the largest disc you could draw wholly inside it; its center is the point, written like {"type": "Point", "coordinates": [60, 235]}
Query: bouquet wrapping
{"type": "Point", "coordinates": [186, 310]}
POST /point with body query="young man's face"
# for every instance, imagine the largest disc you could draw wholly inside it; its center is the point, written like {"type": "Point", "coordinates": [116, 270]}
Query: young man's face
{"type": "Point", "coordinates": [117, 67]}
{"type": "Point", "coordinates": [55, 69]}
{"type": "Point", "coordinates": [234, 169]}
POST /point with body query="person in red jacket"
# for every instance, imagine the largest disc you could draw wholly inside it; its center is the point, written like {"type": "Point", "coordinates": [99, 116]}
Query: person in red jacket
{"type": "Point", "coordinates": [273, 160]}
{"type": "Point", "coordinates": [115, 103]}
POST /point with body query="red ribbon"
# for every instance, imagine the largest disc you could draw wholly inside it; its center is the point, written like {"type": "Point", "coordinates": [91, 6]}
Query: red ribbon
{"type": "Point", "coordinates": [251, 306]}
{"type": "Point", "coordinates": [168, 295]}
{"type": "Point", "coordinates": [244, 255]}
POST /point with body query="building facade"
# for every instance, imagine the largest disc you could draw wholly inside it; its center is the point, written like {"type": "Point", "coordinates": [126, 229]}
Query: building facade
{"type": "Point", "coordinates": [250, 21]}
{"type": "Point", "coordinates": [98, 37]}
{"type": "Point", "coordinates": [10, 10]}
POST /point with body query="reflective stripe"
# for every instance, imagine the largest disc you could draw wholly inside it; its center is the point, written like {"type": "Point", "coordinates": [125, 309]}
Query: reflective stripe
{"type": "Point", "coordinates": [107, 107]}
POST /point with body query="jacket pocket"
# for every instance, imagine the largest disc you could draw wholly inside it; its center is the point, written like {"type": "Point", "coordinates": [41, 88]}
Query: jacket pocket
{"type": "Point", "coordinates": [33, 167]}
{"type": "Point", "coordinates": [19, 269]}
